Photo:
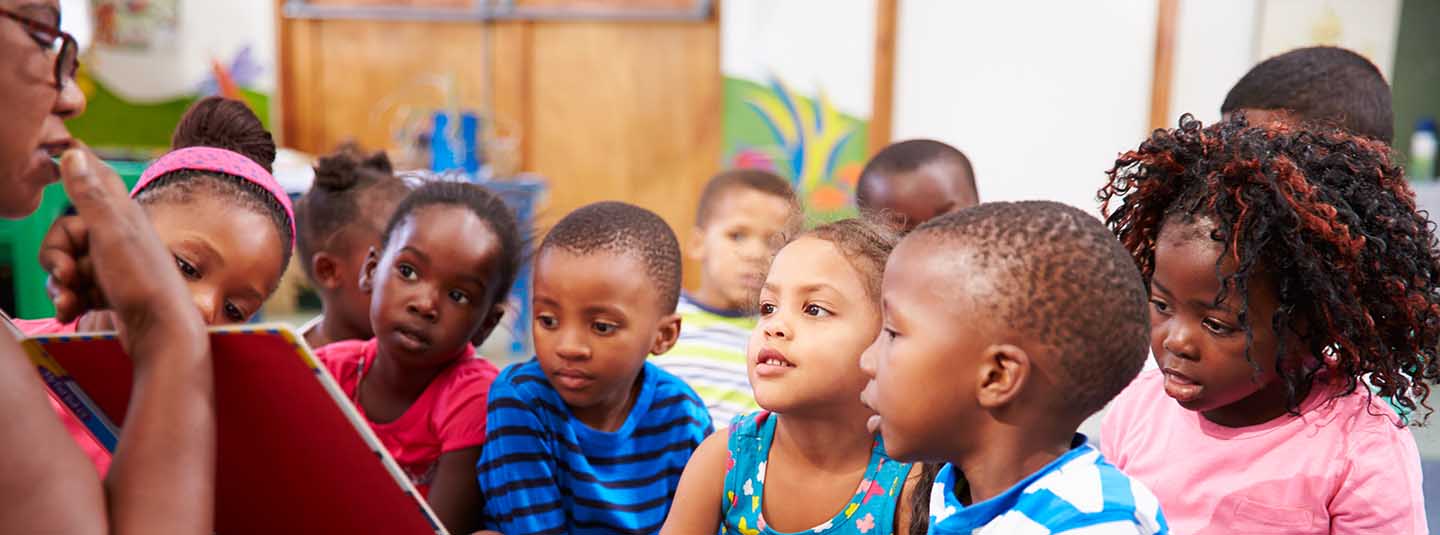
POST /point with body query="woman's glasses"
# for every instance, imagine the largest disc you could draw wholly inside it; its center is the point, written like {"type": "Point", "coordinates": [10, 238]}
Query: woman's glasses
{"type": "Point", "coordinates": [67, 61]}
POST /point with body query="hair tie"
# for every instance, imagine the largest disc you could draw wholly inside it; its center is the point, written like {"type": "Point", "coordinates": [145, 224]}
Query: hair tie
{"type": "Point", "coordinates": [218, 160]}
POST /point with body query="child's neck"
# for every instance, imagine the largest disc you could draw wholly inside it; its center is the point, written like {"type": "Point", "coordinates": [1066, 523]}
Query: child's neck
{"type": "Point", "coordinates": [1266, 404]}
{"type": "Point", "coordinates": [834, 439]}
{"type": "Point", "coordinates": [333, 329]}
{"type": "Point", "coordinates": [609, 417]}
{"type": "Point", "coordinates": [707, 296]}
{"type": "Point", "coordinates": [1008, 453]}
{"type": "Point", "coordinates": [388, 389]}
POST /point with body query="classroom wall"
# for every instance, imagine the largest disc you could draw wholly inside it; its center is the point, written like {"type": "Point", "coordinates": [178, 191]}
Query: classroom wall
{"type": "Point", "coordinates": [1040, 95]}
{"type": "Point", "coordinates": [604, 110]}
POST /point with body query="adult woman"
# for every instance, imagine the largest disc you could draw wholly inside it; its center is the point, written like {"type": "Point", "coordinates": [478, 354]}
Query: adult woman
{"type": "Point", "coordinates": [162, 478]}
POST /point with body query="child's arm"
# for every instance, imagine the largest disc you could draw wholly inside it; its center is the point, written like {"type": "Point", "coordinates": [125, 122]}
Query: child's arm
{"type": "Point", "coordinates": [162, 478]}
{"type": "Point", "coordinates": [517, 468]}
{"type": "Point", "coordinates": [1381, 489]}
{"type": "Point", "coordinates": [454, 495]}
{"type": "Point", "coordinates": [696, 508]}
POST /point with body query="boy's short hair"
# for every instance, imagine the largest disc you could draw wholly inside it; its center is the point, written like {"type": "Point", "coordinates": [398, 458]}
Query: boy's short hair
{"type": "Point", "coordinates": [730, 180]}
{"type": "Point", "coordinates": [1064, 282]}
{"type": "Point", "coordinates": [621, 228]}
{"type": "Point", "coordinates": [908, 156]}
{"type": "Point", "coordinates": [1319, 84]}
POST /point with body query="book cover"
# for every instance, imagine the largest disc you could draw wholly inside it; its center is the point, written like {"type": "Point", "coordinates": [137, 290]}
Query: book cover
{"type": "Point", "coordinates": [294, 456]}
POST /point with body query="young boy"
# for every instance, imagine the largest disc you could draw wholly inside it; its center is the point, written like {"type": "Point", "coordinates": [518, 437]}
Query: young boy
{"type": "Point", "coordinates": [1005, 326]}
{"type": "Point", "coordinates": [588, 437]}
{"type": "Point", "coordinates": [741, 214]}
{"type": "Point", "coordinates": [912, 181]}
{"type": "Point", "coordinates": [1317, 84]}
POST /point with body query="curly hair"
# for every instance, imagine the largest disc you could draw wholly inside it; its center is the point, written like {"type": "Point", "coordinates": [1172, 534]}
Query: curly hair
{"type": "Point", "coordinates": [1327, 214]}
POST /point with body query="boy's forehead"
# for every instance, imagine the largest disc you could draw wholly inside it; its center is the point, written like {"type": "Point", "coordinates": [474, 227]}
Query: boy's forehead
{"type": "Point", "coordinates": [612, 268]}
{"type": "Point", "coordinates": [740, 200]}
{"type": "Point", "coordinates": [940, 269]}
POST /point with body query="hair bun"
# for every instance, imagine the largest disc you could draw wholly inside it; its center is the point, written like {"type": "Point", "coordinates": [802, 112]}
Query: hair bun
{"type": "Point", "coordinates": [225, 124]}
{"type": "Point", "coordinates": [337, 172]}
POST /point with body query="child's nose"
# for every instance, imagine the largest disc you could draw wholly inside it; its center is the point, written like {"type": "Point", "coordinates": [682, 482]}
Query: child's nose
{"type": "Point", "coordinates": [209, 304]}
{"type": "Point", "coordinates": [1179, 342]}
{"type": "Point", "coordinates": [423, 305]}
{"type": "Point", "coordinates": [572, 347]}
{"type": "Point", "coordinates": [774, 327]}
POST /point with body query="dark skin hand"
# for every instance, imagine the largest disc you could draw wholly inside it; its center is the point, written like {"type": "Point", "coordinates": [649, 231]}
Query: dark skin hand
{"type": "Point", "coordinates": [162, 477]}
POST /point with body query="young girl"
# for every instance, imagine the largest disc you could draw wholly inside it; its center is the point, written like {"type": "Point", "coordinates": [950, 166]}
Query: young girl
{"type": "Point", "coordinates": [448, 258]}
{"type": "Point", "coordinates": [1287, 268]}
{"type": "Point", "coordinates": [225, 220]}
{"type": "Point", "coordinates": [340, 220]}
{"type": "Point", "coordinates": [806, 462]}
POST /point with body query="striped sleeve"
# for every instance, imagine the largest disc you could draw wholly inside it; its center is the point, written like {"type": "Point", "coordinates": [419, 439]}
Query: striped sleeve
{"type": "Point", "coordinates": [517, 470]}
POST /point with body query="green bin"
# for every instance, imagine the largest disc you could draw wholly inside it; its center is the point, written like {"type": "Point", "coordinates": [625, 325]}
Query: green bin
{"type": "Point", "coordinates": [20, 248]}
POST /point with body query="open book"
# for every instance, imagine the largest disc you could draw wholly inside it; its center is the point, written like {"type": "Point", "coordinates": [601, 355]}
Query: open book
{"type": "Point", "coordinates": [294, 455]}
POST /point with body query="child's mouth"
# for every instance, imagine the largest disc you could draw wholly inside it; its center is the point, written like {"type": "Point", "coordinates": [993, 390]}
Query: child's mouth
{"type": "Point", "coordinates": [1181, 387]}
{"type": "Point", "coordinates": [573, 379]}
{"type": "Point", "coordinates": [770, 363]}
{"type": "Point", "coordinates": [411, 340]}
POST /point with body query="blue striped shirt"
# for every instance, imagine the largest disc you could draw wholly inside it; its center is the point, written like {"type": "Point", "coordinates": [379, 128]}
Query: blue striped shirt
{"type": "Point", "coordinates": [1079, 493]}
{"type": "Point", "coordinates": [544, 471]}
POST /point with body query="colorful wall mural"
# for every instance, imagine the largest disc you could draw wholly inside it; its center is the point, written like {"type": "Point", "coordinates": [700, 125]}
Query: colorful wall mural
{"type": "Point", "coordinates": [797, 95]}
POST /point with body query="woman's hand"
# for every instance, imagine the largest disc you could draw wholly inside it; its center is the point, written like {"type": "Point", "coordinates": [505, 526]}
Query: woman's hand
{"type": "Point", "coordinates": [109, 257]}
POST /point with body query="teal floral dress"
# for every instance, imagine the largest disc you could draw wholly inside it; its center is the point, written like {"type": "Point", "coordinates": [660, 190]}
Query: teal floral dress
{"type": "Point", "coordinates": [870, 512]}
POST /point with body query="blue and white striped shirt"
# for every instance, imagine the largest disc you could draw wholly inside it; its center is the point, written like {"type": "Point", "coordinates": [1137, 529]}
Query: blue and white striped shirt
{"type": "Point", "coordinates": [1080, 493]}
{"type": "Point", "coordinates": [543, 471]}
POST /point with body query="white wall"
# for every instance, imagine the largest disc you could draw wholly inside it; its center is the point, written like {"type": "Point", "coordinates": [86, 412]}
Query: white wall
{"type": "Point", "coordinates": [1040, 95]}
{"type": "Point", "coordinates": [1214, 47]}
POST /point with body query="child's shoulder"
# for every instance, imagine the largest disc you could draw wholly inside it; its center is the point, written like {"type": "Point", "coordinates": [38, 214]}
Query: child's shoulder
{"type": "Point", "coordinates": [45, 326]}
{"type": "Point", "coordinates": [1087, 490]}
{"type": "Point", "coordinates": [524, 380]}
{"type": "Point", "coordinates": [343, 358]}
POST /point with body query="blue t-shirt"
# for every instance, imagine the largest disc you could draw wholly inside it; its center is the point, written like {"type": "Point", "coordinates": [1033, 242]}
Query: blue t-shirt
{"type": "Point", "coordinates": [1079, 492]}
{"type": "Point", "coordinates": [544, 471]}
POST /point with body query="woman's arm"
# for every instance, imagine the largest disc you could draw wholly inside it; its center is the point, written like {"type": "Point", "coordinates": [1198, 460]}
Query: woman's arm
{"type": "Point", "coordinates": [162, 477]}
{"type": "Point", "coordinates": [696, 508]}
{"type": "Point", "coordinates": [47, 485]}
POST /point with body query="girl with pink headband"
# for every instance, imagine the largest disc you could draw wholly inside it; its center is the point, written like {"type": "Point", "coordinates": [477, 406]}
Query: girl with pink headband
{"type": "Point", "coordinates": [226, 221]}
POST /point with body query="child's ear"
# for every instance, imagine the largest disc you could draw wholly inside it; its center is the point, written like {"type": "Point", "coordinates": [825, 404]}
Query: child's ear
{"type": "Point", "coordinates": [666, 335]}
{"type": "Point", "coordinates": [492, 320]}
{"type": "Point", "coordinates": [326, 269]}
{"type": "Point", "coordinates": [1004, 369]}
{"type": "Point", "coordinates": [697, 245]}
{"type": "Point", "coordinates": [367, 273]}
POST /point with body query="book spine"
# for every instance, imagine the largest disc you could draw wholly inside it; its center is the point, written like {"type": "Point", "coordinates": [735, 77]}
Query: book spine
{"type": "Point", "coordinates": [69, 393]}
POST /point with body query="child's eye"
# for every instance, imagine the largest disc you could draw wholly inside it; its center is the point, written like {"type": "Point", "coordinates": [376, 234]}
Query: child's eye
{"type": "Point", "coordinates": [406, 271]}
{"type": "Point", "coordinates": [1217, 327]}
{"type": "Point", "coordinates": [459, 297]}
{"type": "Point", "coordinates": [1160, 306]}
{"type": "Point", "coordinates": [233, 313]}
{"type": "Point", "coordinates": [737, 236]}
{"type": "Point", "coordinates": [604, 328]}
{"type": "Point", "coordinates": [186, 268]}
{"type": "Point", "coordinates": [890, 333]}
{"type": "Point", "coordinates": [815, 310]}
{"type": "Point", "coordinates": [547, 321]}
{"type": "Point", "coordinates": [767, 309]}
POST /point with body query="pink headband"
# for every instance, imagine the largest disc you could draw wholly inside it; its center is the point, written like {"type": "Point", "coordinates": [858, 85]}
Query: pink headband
{"type": "Point", "coordinates": [219, 161]}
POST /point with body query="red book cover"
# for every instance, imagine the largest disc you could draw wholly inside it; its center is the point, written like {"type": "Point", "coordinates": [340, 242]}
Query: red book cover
{"type": "Point", "coordinates": [294, 455]}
